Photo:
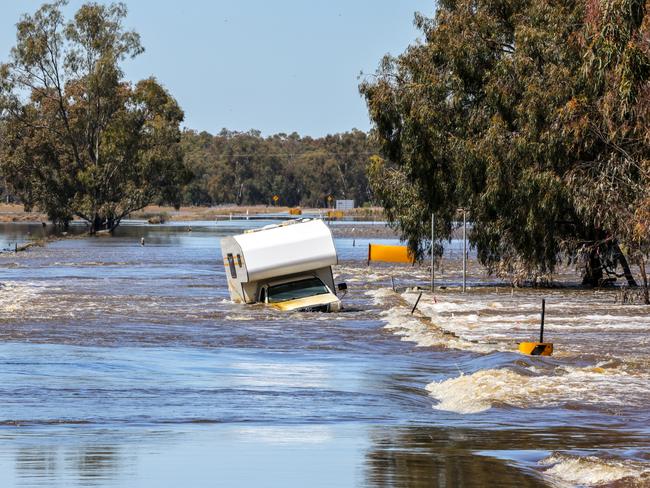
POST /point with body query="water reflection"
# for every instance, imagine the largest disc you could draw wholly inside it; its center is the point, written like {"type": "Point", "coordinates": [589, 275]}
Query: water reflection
{"type": "Point", "coordinates": [66, 465]}
{"type": "Point", "coordinates": [317, 455]}
{"type": "Point", "coordinates": [227, 455]}
{"type": "Point", "coordinates": [421, 458]}
{"type": "Point", "coordinates": [425, 456]}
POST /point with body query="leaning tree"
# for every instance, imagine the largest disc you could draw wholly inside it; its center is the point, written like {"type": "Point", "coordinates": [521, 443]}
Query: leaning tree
{"type": "Point", "coordinates": [507, 109]}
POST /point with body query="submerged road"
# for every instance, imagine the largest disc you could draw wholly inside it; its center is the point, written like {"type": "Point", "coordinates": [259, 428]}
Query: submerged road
{"type": "Point", "coordinates": [124, 365]}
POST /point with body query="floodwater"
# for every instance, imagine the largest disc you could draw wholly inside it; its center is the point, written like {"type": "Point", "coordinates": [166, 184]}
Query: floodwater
{"type": "Point", "coordinates": [124, 365]}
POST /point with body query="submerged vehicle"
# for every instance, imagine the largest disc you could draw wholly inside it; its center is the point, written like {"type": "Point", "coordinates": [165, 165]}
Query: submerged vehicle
{"type": "Point", "coordinates": [287, 266]}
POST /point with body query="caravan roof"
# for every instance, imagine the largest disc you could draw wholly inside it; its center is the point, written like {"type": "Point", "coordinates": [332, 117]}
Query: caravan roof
{"type": "Point", "coordinates": [291, 247]}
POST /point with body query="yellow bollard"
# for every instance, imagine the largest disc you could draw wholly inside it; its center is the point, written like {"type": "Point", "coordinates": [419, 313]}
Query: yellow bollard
{"type": "Point", "coordinates": [540, 348]}
{"type": "Point", "coordinates": [536, 348]}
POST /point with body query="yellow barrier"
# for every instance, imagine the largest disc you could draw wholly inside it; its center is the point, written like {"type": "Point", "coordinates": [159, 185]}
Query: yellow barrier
{"type": "Point", "coordinates": [536, 348]}
{"type": "Point", "coordinates": [389, 254]}
{"type": "Point", "coordinates": [334, 214]}
{"type": "Point", "coordinates": [295, 211]}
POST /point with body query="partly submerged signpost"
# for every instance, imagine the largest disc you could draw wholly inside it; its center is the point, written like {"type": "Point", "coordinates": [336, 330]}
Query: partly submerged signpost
{"type": "Point", "coordinates": [540, 348]}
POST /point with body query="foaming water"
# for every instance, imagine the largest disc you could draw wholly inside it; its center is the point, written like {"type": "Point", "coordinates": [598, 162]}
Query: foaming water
{"type": "Point", "coordinates": [574, 470]}
{"type": "Point", "coordinates": [422, 330]}
{"type": "Point", "coordinates": [602, 387]}
{"type": "Point", "coordinates": [600, 361]}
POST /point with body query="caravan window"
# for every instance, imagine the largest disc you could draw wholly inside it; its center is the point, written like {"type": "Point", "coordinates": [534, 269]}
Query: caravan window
{"type": "Point", "coordinates": [231, 265]}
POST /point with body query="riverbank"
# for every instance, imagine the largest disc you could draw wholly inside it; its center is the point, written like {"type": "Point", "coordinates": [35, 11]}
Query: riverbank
{"type": "Point", "coordinates": [11, 212]}
{"type": "Point", "coordinates": [370, 226]}
{"type": "Point", "coordinates": [225, 211]}
{"type": "Point", "coordinates": [16, 213]}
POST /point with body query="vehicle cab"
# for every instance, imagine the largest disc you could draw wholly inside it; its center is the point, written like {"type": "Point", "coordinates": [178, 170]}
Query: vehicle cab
{"type": "Point", "coordinates": [305, 293]}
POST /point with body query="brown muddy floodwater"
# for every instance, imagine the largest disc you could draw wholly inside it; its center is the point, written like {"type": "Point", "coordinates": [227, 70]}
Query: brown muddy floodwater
{"type": "Point", "coordinates": [123, 365]}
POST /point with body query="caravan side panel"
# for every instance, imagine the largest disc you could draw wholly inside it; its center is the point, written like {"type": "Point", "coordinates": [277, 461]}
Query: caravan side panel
{"type": "Point", "coordinates": [236, 272]}
{"type": "Point", "coordinates": [287, 249]}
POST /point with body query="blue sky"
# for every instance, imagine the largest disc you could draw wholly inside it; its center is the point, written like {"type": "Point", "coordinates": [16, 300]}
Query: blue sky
{"type": "Point", "coordinates": [276, 66]}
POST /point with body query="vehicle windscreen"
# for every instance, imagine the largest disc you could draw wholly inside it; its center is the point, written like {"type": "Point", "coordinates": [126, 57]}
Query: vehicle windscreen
{"type": "Point", "coordinates": [296, 289]}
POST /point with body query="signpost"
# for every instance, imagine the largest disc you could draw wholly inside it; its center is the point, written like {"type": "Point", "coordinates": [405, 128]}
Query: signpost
{"type": "Point", "coordinates": [540, 348]}
{"type": "Point", "coordinates": [344, 204]}
{"type": "Point", "coordinates": [464, 250]}
{"type": "Point", "coordinates": [433, 259]}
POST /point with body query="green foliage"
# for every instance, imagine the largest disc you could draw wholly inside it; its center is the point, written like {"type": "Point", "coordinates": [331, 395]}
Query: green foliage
{"type": "Point", "coordinates": [531, 114]}
{"type": "Point", "coordinates": [403, 204]}
{"type": "Point", "coordinates": [245, 168]}
{"type": "Point", "coordinates": [609, 125]}
{"type": "Point", "coordinates": [84, 142]}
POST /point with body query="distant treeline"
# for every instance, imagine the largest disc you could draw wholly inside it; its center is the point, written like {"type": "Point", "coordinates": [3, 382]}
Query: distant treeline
{"type": "Point", "coordinates": [245, 168]}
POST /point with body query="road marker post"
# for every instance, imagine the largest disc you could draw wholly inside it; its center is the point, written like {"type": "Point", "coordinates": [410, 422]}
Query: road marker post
{"type": "Point", "coordinates": [540, 348]}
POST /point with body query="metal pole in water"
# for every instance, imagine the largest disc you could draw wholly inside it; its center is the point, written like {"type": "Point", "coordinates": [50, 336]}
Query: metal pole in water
{"type": "Point", "coordinates": [416, 303]}
{"type": "Point", "coordinates": [433, 276]}
{"type": "Point", "coordinates": [464, 251]}
{"type": "Point", "coordinates": [392, 280]}
{"type": "Point", "coordinates": [541, 329]}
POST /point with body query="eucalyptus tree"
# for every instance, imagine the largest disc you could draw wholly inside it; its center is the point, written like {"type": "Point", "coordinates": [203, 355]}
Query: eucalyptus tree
{"type": "Point", "coordinates": [608, 126]}
{"type": "Point", "coordinates": [498, 109]}
{"type": "Point", "coordinates": [79, 140]}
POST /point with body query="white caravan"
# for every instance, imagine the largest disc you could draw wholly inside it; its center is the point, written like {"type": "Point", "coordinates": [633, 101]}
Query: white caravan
{"type": "Point", "coordinates": [288, 266]}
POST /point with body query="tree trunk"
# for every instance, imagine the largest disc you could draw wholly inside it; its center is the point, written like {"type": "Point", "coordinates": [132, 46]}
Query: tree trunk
{"type": "Point", "coordinates": [96, 224]}
{"type": "Point", "coordinates": [593, 272]}
{"type": "Point", "coordinates": [644, 277]}
{"type": "Point", "coordinates": [619, 257]}
{"type": "Point", "coordinates": [112, 223]}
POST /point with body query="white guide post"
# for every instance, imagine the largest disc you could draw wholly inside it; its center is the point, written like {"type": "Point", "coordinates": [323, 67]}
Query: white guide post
{"type": "Point", "coordinates": [433, 235]}
{"type": "Point", "coordinates": [464, 250]}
